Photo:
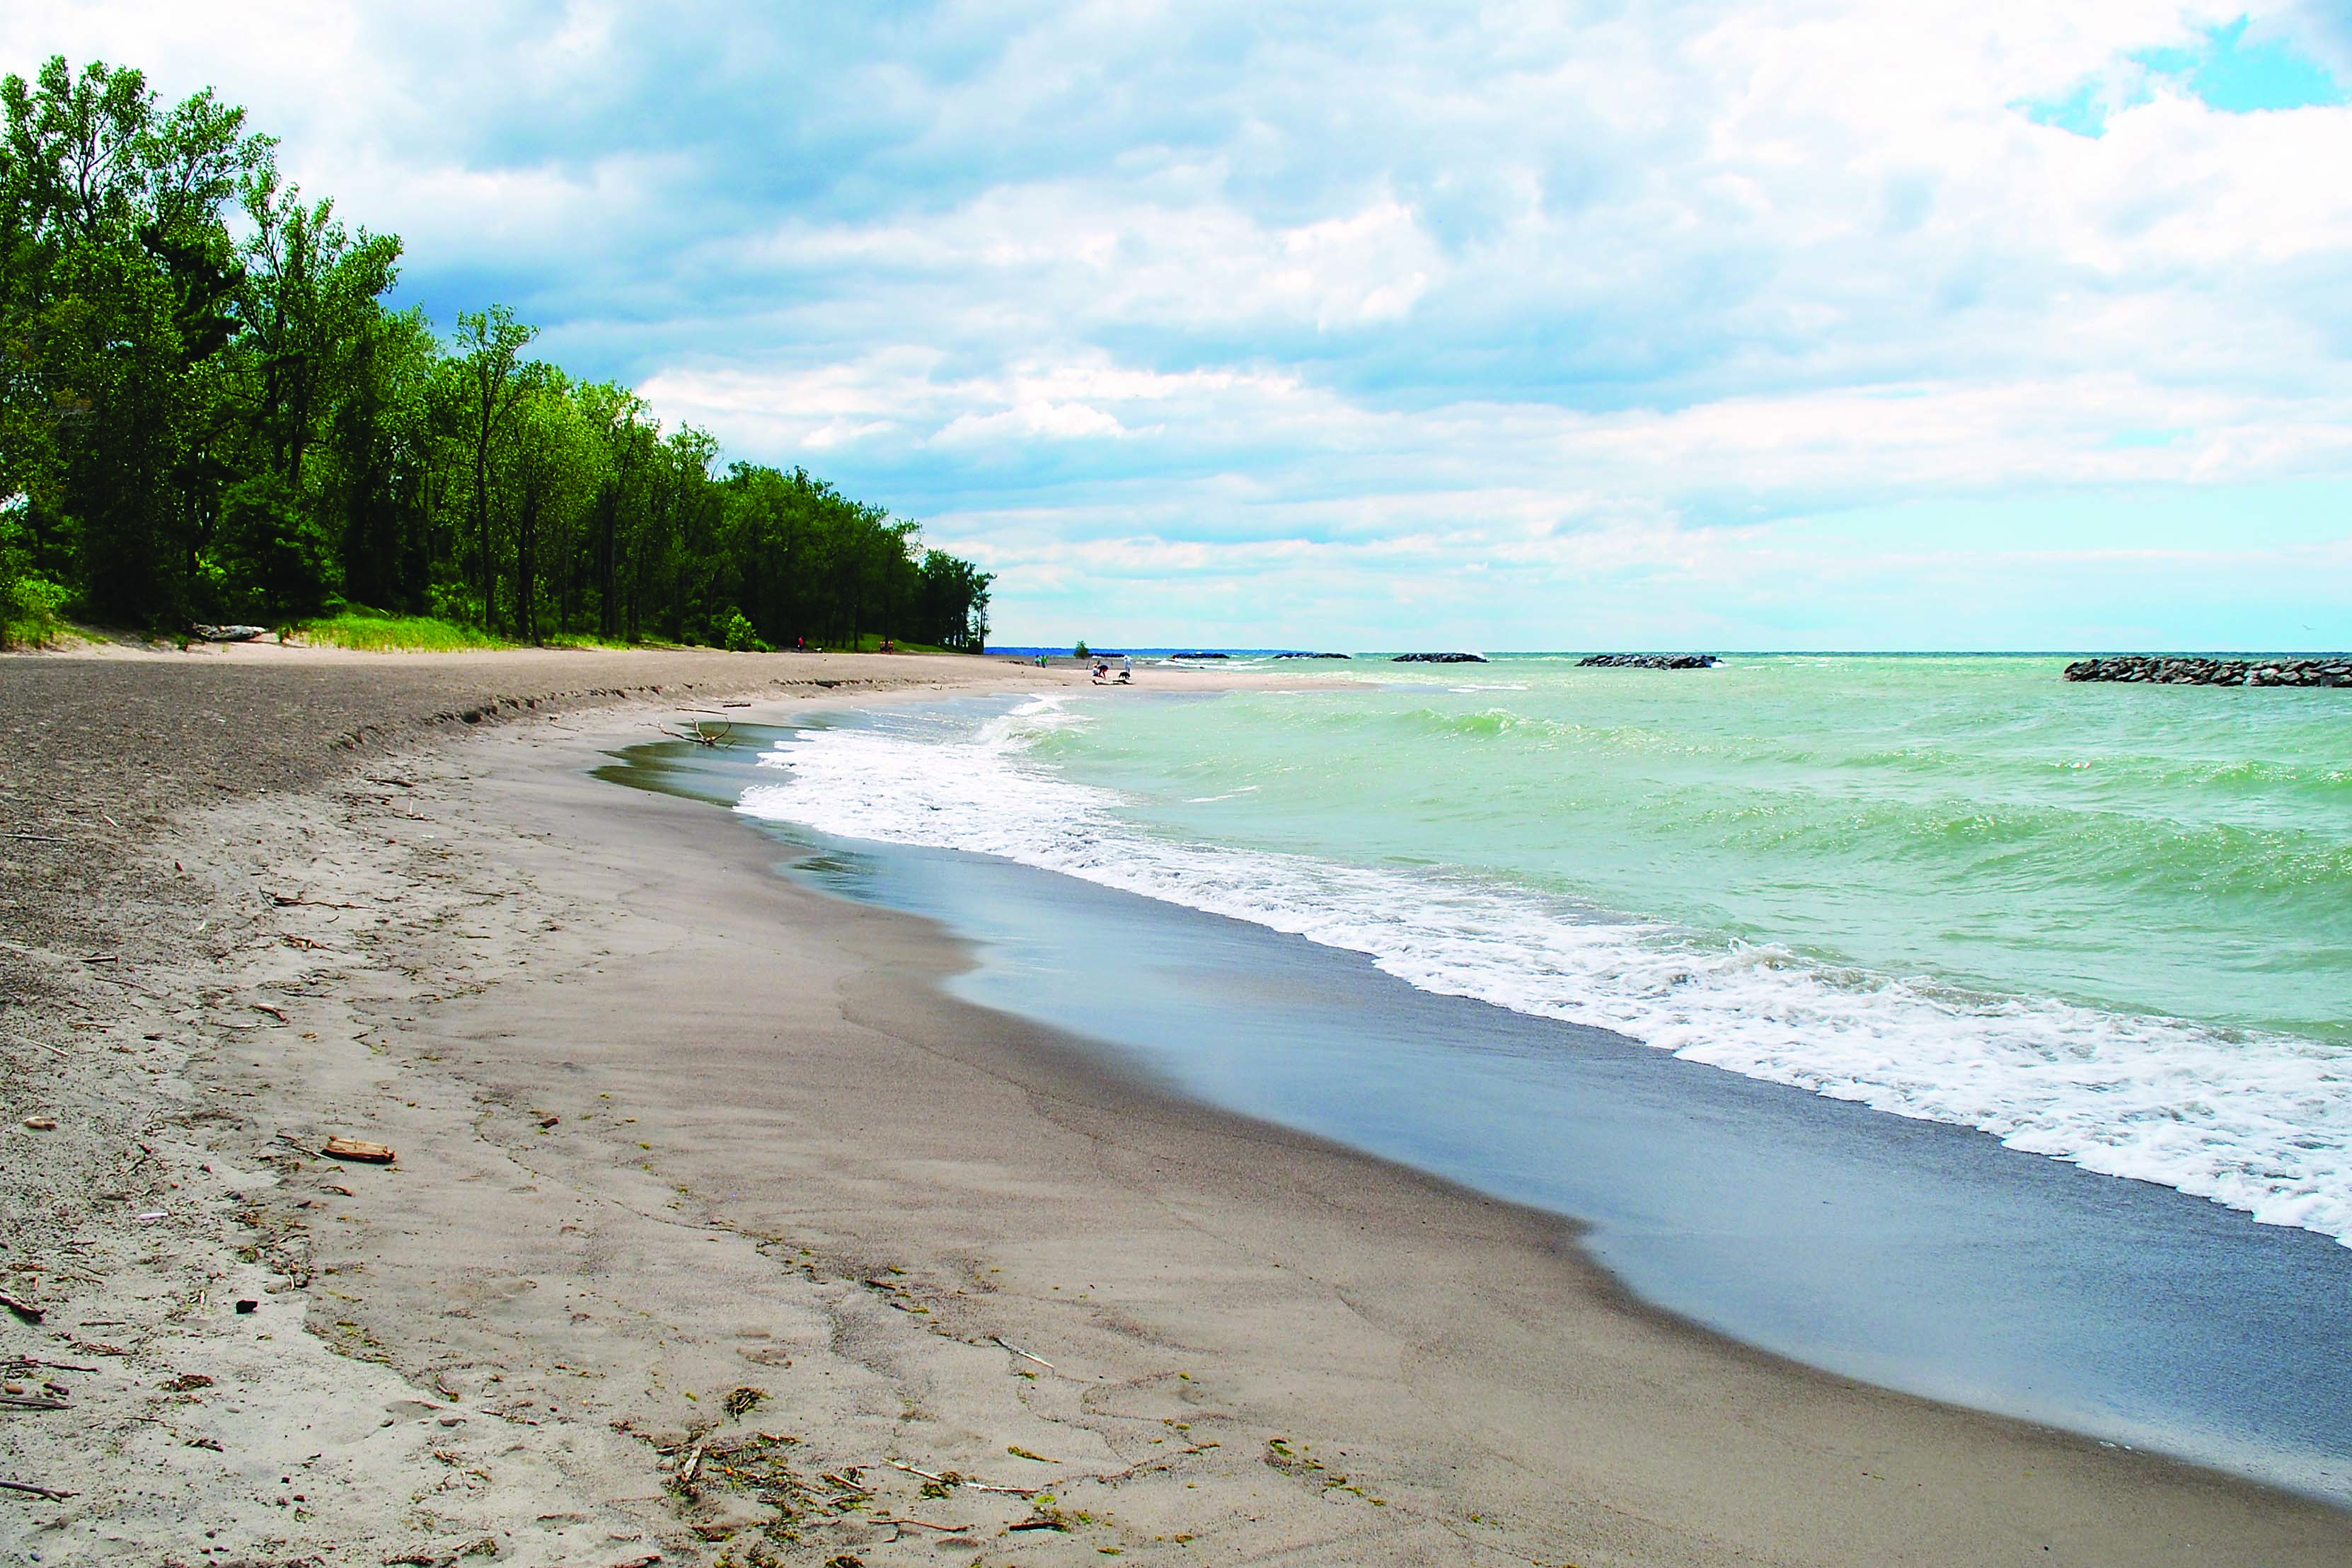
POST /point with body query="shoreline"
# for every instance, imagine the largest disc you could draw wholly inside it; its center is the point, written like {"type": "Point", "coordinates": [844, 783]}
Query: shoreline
{"type": "Point", "coordinates": [528, 940]}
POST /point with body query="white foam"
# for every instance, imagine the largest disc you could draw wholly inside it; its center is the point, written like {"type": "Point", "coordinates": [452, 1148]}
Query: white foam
{"type": "Point", "coordinates": [2260, 1123]}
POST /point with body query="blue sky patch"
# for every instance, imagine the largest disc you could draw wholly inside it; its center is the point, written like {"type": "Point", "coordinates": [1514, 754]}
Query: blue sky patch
{"type": "Point", "coordinates": [2234, 76]}
{"type": "Point", "coordinates": [2222, 70]}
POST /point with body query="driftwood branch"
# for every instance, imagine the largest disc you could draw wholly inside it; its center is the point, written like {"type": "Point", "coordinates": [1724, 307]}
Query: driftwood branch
{"type": "Point", "coordinates": [976, 1486]}
{"type": "Point", "coordinates": [701, 736]}
{"type": "Point", "coordinates": [51, 1493]}
{"type": "Point", "coordinates": [1024, 1355]}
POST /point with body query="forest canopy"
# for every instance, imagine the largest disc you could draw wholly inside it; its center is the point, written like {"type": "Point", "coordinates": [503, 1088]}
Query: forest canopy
{"type": "Point", "coordinates": [210, 411]}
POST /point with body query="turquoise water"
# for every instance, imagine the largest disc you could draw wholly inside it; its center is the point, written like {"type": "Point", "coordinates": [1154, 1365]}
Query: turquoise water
{"type": "Point", "coordinates": [2110, 924]}
{"type": "Point", "coordinates": [2175, 850]}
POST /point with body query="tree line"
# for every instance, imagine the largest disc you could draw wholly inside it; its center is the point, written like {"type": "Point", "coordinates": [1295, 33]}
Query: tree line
{"type": "Point", "coordinates": [210, 411]}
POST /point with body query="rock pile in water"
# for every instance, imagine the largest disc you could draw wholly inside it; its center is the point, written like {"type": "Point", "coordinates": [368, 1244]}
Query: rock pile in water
{"type": "Point", "coordinates": [1648, 662]}
{"type": "Point", "coordinates": [1439, 658]}
{"type": "Point", "coordinates": [2179, 669]}
{"type": "Point", "coordinates": [1313, 655]}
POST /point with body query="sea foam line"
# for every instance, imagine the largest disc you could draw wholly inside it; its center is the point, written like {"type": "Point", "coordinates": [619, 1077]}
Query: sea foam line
{"type": "Point", "coordinates": [2260, 1123]}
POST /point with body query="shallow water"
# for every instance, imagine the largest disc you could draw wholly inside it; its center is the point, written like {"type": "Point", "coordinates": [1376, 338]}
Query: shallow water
{"type": "Point", "coordinates": [1910, 1254]}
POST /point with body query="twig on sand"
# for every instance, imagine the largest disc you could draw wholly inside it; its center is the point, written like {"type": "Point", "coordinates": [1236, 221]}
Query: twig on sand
{"type": "Point", "coordinates": [976, 1486]}
{"type": "Point", "coordinates": [1024, 1355]}
{"type": "Point", "coordinates": [103, 958]}
{"type": "Point", "coordinates": [925, 1524]}
{"type": "Point", "coordinates": [41, 838]}
{"type": "Point", "coordinates": [685, 1472]}
{"type": "Point", "coordinates": [283, 899]}
{"type": "Point", "coordinates": [276, 1013]}
{"type": "Point", "coordinates": [31, 1402]}
{"type": "Point", "coordinates": [51, 1493]}
{"type": "Point", "coordinates": [24, 1310]}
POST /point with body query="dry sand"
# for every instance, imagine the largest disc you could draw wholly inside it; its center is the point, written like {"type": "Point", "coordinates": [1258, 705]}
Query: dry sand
{"type": "Point", "coordinates": [711, 1212]}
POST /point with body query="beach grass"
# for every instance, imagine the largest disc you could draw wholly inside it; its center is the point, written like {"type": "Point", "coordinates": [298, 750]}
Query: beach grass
{"type": "Point", "coordinates": [379, 631]}
{"type": "Point", "coordinates": [383, 631]}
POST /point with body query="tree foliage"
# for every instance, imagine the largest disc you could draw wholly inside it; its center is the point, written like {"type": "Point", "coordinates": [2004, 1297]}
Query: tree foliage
{"type": "Point", "coordinates": [209, 409]}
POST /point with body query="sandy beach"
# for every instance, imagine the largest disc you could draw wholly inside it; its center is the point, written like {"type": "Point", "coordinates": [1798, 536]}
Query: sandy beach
{"type": "Point", "coordinates": [718, 1233]}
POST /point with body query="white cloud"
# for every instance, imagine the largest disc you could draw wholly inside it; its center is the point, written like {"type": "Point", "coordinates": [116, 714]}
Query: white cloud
{"type": "Point", "coordinates": [1345, 302]}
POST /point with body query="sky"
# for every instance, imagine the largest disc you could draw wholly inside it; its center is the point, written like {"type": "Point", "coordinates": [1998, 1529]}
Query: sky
{"type": "Point", "coordinates": [1721, 323]}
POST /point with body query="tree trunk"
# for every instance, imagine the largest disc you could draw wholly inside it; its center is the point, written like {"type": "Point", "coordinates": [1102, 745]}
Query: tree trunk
{"type": "Point", "coordinates": [526, 566]}
{"type": "Point", "coordinates": [482, 513]}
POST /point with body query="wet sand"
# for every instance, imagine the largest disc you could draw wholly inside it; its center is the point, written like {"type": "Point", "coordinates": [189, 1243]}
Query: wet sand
{"type": "Point", "coordinates": [673, 1128]}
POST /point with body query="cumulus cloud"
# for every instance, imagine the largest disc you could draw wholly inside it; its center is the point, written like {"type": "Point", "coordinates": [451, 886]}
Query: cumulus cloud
{"type": "Point", "coordinates": [1464, 312]}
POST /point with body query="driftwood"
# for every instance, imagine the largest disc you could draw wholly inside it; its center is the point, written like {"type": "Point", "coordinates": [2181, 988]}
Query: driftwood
{"type": "Point", "coordinates": [283, 899]}
{"type": "Point", "coordinates": [341, 1148]}
{"type": "Point", "coordinates": [31, 1402]}
{"type": "Point", "coordinates": [1024, 1355]}
{"type": "Point", "coordinates": [51, 1493]}
{"type": "Point", "coordinates": [24, 1310]}
{"type": "Point", "coordinates": [976, 1486]}
{"type": "Point", "coordinates": [700, 735]}
{"type": "Point", "coordinates": [903, 1524]}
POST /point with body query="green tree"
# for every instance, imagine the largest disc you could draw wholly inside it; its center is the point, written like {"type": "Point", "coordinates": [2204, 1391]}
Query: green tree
{"type": "Point", "coordinates": [490, 350]}
{"type": "Point", "coordinates": [196, 422]}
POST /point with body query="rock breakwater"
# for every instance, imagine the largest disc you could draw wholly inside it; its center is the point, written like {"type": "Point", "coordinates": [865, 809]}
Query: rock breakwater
{"type": "Point", "coordinates": [2179, 669]}
{"type": "Point", "coordinates": [1648, 662]}
{"type": "Point", "coordinates": [1439, 658]}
